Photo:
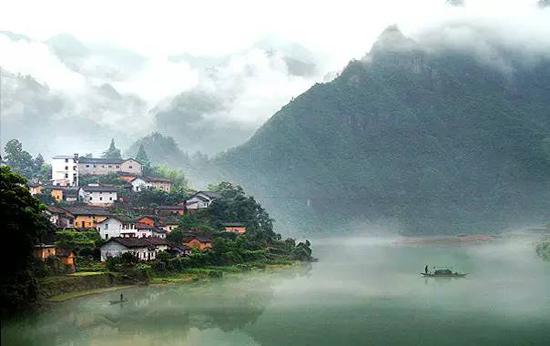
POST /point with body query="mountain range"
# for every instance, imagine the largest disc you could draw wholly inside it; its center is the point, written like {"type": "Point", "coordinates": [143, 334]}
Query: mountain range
{"type": "Point", "coordinates": [417, 139]}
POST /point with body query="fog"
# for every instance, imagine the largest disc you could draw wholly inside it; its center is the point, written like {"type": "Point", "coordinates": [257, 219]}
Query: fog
{"type": "Point", "coordinates": [209, 74]}
{"type": "Point", "coordinates": [363, 290]}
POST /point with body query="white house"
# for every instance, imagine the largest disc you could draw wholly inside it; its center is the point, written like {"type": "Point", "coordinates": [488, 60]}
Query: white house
{"type": "Point", "coordinates": [95, 194]}
{"type": "Point", "coordinates": [201, 200]}
{"type": "Point", "coordinates": [116, 226]}
{"type": "Point", "coordinates": [145, 249]}
{"type": "Point", "coordinates": [147, 231]}
{"type": "Point", "coordinates": [65, 170]}
{"type": "Point", "coordinates": [140, 184]}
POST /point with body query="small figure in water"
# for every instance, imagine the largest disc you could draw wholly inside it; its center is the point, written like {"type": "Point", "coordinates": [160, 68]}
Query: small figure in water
{"type": "Point", "coordinates": [121, 297]}
{"type": "Point", "coordinates": [426, 269]}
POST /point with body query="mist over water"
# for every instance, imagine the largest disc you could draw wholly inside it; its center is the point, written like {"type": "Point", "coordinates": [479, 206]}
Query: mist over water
{"type": "Point", "coordinates": [362, 291]}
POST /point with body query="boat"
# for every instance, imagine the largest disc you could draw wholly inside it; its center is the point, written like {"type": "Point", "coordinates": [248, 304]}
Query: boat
{"type": "Point", "coordinates": [118, 301]}
{"type": "Point", "coordinates": [444, 273]}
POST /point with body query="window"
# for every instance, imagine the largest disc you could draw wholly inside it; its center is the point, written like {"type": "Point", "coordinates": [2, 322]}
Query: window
{"type": "Point", "coordinates": [67, 160]}
{"type": "Point", "coordinates": [66, 175]}
{"type": "Point", "coordinates": [94, 166]}
{"type": "Point", "coordinates": [110, 198]}
{"type": "Point", "coordinates": [74, 168]}
{"type": "Point", "coordinates": [117, 166]}
{"type": "Point", "coordinates": [101, 198]}
{"type": "Point", "coordinates": [106, 236]}
{"type": "Point", "coordinates": [103, 166]}
{"type": "Point", "coordinates": [130, 167]}
{"type": "Point", "coordinates": [106, 226]}
{"type": "Point", "coordinates": [66, 168]}
{"type": "Point", "coordinates": [90, 198]}
{"type": "Point", "coordinates": [87, 166]}
{"type": "Point", "coordinates": [110, 166]}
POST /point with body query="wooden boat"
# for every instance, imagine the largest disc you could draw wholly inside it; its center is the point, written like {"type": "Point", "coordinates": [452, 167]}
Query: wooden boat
{"type": "Point", "coordinates": [118, 301]}
{"type": "Point", "coordinates": [444, 273]}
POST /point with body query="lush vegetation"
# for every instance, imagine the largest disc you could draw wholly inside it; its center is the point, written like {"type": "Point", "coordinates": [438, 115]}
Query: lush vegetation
{"type": "Point", "coordinates": [425, 142]}
{"type": "Point", "coordinates": [23, 226]}
{"type": "Point", "coordinates": [543, 249]}
{"type": "Point", "coordinates": [23, 163]}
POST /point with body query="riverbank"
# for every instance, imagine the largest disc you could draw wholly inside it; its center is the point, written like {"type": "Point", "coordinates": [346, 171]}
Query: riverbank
{"type": "Point", "coordinates": [65, 287]}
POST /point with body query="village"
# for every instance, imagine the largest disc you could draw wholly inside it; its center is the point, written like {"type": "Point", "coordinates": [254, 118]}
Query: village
{"type": "Point", "coordinates": [105, 208]}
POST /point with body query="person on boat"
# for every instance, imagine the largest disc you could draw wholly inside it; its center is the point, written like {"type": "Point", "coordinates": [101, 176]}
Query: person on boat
{"type": "Point", "coordinates": [426, 269]}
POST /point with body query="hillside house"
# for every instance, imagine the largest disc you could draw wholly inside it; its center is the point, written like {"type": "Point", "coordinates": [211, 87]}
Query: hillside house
{"type": "Point", "coordinates": [168, 223]}
{"type": "Point", "coordinates": [234, 227]}
{"type": "Point", "coordinates": [144, 249]}
{"type": "Point", "coordinates": [117, 226]}
{"type": "Point", "coordinates": [201, 200]}
{"type": "Point", "coordinates": [198, 242]}
{"type": "Point", "coordinates": [65, 170]}
{"type": "Point", "coordinates": [60, 217]}
{"type": "Point", "coordinates": [43, 251]}
{"type": "Point", "coordinates": [35, 188]}
{"type": "Point", "coordinates": [147, 231]}
{"type": "Point", "coordinates": [95, 194]}
{"type": "Point", "coordinates": [100, 166]}
{"type": "Point", "coordinates": [147, 220]}
{"type": "Point", "coordinates": [142, 183]}
{"type": "Point", "coordinates": [180, 250]}
{"type": "Point", "coordinates": [87, 217]}
{"type": "Point", "coordinates": [167, 210]}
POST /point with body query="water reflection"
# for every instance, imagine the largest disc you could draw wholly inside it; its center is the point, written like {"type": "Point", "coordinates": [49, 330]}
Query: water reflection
{"type": "Point", "coordinates": [360, 292]}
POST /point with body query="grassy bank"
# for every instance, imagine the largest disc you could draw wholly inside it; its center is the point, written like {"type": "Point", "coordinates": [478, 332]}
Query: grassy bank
{"type": "Point", "coordinates": [216, 272]}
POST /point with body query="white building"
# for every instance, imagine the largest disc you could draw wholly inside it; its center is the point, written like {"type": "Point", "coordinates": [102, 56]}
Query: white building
{"type": "Point", "coordinates": [65, 170]}
{"type": "Point", "coordinates": [143, 248]}
{"type": "Point", "coordinates": [139, 184]}
{"type": "Point", "coordinates": [147, 231]}
{"type": "Point", "coordinates": [116, 226]}
{"type": "Point", "coordinates": [100, 166]}
{"type": "Point", "coordinates": [201, 200]}
{"type": "Point", "coordinates": [95, 194]}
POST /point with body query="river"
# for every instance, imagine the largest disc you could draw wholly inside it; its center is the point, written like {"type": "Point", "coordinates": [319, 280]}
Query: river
{"type": "Point", "coordinates": [364, 291]}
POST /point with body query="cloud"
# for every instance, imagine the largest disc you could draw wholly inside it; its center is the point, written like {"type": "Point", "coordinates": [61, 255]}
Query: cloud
{"type": "Point", "coordinates": [210, 73]}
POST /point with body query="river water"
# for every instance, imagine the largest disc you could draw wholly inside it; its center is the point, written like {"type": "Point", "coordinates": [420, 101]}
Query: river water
{"type": "Point", "coordinates": [363, 291]}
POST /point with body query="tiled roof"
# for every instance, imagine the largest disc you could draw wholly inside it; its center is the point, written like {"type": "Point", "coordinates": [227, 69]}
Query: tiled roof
{"type": "Point", "coordinates": [233, 224]}
{"type": "Point", "coordinates": [103, 188]}
{"type": "Point", "coordinates": [159, 179]}
{"type": "Point", "coordinates": [101, 161]}
{"type": "Point", "coordinates": [88, 210]}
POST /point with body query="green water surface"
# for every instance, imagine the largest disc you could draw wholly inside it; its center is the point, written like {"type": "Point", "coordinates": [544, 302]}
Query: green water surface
{"type": "Point", "coordinates": [363, 291]}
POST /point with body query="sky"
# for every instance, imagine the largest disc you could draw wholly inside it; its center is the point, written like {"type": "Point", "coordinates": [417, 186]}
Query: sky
{"type": "Point", "coordinates": [208, 73]}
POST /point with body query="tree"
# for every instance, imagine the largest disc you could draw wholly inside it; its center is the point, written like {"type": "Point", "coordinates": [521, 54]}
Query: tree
{"type": "Point", "coordinates": [142, 157]}
{"type": "Point", "coordinates": [179, 182]}
{"type": "Point", "coordinates": [18, 159]}
{"type": "Point", "coordinates": [23, 226]}
{"type": "Point", "coordinates": [113, 152]}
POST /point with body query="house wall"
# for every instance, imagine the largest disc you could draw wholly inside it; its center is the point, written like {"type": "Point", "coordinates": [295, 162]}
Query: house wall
{"type": "Point", "coordinates": [98, 197]}
{"type": "Point", "coordinates": [113, 249]}
{"type": "Point", "coordinates": [140, 185]}
{"type": "Point", "coordinates": [200, 204]}
{"type": "Point", "coordinates": [44, 252]}
{"type": "Point", "coordinates": [98, 168]}
{"type": "Point", "coordinates": [197, 244]}
{"type": "Point", "coordinates": [236, 229]}
{"type": "Point", "coordinates": [131, 166]}
{"type": "Point", "coordinates": [161, 185]}
{"type": "Point", "coordinates": [57, 194]}
{"type": "Point", "coordinates": [35, 190]}
{"type": "Point", "coordinates": [87, 221]}
{"type": "Point", "coordinates": [147, 221]}
{"type": "Point", "coordinates": [65, 170]}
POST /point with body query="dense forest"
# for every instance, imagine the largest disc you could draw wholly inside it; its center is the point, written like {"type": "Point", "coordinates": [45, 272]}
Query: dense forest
{"type": "Point", "coordinates": [428, 142]}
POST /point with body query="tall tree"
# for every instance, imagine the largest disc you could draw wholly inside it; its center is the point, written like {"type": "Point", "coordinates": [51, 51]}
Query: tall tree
{"type": "Point", "coordinates": [142, 157]}
{"type": "Point", "coordinates": [18, 159]}
{"type": "Point", "coordinates": [113, 152]}
{"type": "Point", "coordinates": [23, 226]}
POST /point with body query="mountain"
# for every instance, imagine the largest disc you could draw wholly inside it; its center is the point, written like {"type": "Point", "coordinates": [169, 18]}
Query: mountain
{"type": "Point", "coordinates": [424, 140]}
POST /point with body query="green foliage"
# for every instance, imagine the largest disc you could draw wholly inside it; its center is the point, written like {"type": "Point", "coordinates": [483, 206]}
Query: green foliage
{"type": "Point", "coordinates": [78, 240]}
{"type": "Point", "coordinates": [179, 182]}
{"type": "Point", "coordinates": [543, 249]}
{"type": "Point", "coordinates": [107, 179]}
{"type": "Point", "coordinates": [150, 198]}
{"type": "Point", "coordinates": [142, 157]}
{"type": "Point", "coordinates": [23, 226]}
{"type": "Point", "coordinates": [161, 150]}
{"type": "Point", "coordinates": [112, 152]}
{"type": "Point", "coordinates": [435, 142]}
{"type": "Point", "coordinates": [22, 162]}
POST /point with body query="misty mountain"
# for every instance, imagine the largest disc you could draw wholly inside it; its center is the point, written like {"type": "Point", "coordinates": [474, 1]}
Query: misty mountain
{"type": "Point", "coordinates": [439, 141]}
{"type": "Point", "coordinates": [161, 150]}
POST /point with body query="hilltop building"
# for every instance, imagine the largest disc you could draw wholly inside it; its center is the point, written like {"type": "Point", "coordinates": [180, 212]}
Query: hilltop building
{"type": "Point", "coordinates": [65, 170]}
{"type": "Point", "coordinates": [99, 166]}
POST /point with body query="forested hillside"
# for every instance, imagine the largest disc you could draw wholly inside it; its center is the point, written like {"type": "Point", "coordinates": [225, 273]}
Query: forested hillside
{"type": "Point", "coordinates": [431, 141]}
